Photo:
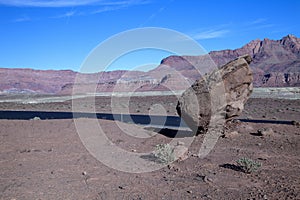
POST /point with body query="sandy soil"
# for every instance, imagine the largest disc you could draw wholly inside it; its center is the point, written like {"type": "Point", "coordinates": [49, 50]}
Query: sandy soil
{"type": "Point", "coordinates": [45, 159]}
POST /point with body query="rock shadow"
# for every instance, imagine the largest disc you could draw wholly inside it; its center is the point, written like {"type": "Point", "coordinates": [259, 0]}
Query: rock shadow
{"type": "Point", "coordinates": [256, 134]}
{"type": "Point", "coordinates": [150, 157]}
{"type": "Point", "coordinates": [232, 167]}
{"type": "Point", "coordinates": [172, 133]}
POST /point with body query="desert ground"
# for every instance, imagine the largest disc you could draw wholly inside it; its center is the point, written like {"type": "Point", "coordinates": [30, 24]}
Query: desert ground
{"type": "Point", "coordinates": [45, 159]}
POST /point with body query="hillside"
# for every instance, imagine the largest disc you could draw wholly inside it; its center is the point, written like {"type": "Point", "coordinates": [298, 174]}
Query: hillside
{"type": "Point", "coordinates": [276, 63]}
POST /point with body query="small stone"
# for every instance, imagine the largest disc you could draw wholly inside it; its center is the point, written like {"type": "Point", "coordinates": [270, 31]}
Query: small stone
{"type": "Point", "coordinates": [195, 155]}
{"type": "Point", "coordinates": [263, 157]}
{"type": "Point", "coordinates": [173, 167]}
{"type": "Point", "coordinates": [231, 134]}
{"type": "Point", "coordinates": [207, 196]}
{"type": "Point", "coordinates": [133, 150]}
{"type": "Point", "coordinates": [207, 179]}
{"type": "Point", "coordinates": [265, 196]}
{"type": "Point", "coordinates": [190, 191]}
{"type": "Point", "coordinates": [170, 166]}
{"type": "Point", "coordinates": [295, 123]}
{"type": "Point", "coordinates": [25, 151]}
{"type": "Point", "coordinates": [84, 173]}
{"type": "Point", "coordinates": [265, 132]}
{"type": "Point", "coordinates": [199, 177]}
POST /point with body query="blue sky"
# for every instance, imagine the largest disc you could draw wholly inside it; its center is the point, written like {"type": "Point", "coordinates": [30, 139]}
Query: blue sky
{"type": "Point", "coordinates": [60, 34]}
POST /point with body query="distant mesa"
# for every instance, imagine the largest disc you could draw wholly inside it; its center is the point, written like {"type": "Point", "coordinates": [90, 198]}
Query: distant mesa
{"type": "Point", "coordinates": [276, 63]}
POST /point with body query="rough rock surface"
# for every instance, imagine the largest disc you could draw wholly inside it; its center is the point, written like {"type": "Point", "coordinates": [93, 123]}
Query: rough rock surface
{"type": "Point", "coordinates": [223, 91]}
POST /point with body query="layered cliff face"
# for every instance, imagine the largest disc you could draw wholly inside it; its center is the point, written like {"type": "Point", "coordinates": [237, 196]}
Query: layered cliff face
{"type": "Point", "coordinates": [49, 81]}
{"type": "Point", "coordinates": [276, 63]}
{"type": "Point", "coordinates": [34, 81]}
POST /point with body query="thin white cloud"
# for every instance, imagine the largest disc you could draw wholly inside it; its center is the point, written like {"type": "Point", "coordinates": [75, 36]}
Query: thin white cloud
{"type": "Point", "coordinates": [260, 23]}
{"type": "Point", "coordinates": [105, 6]}
{"type": "Point", "coordinates": [22, 19]}
{"type": "Point", "coordinates": [118, 5]}
{"type": "Point", "coordinates": [69, 3]}
{"type": "Point", "coordinates": [124, 2]}
{"type": "Point", "coordinates": [67, 14]}
{"type": "Point", "coordinates": [264, 26]}
{"type": "Point", "coordinates": [257, 21]}
{"type": "Point", "coordinates": [151, 17]}
{"type": "Point", "coordinates": [48, 3]}
{"type": "Point", "coordinates": [209, 34]}
{"type": "Point", "coordinates": [108, 8]}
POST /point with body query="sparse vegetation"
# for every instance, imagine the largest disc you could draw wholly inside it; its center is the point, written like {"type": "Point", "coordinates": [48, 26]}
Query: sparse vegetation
{"type": "Point", "coordinates": [164, 153]}
{"type": "Point", "coordinates": [248, 165]}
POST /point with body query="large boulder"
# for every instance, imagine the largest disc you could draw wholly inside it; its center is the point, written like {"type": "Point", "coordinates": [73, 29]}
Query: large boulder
{"type": "Point", "coordinates": [221, 94]}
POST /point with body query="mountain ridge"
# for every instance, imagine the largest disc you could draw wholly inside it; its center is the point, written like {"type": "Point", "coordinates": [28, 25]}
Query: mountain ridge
{"type": "Point", "coordinates": [276, 63]}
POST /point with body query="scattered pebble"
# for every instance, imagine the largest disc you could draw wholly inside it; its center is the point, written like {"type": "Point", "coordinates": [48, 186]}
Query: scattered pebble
{"type": "Point", "coordinates": [25, 151]}
{"type": "Point", "coordinates": [121, 187]}
{"type": "Point", "coordinates": [207, 196]}
{"type": "Point", "coordinates": [265, 132]}
{"type": "Point", "coordinates": [170, 166]}
{"type": "Point", "coordinates": [173, 167]}
{"type": "Point", "coordinates": [231, 134]}
{"type": "Point", "coordinates": [84, 173]}
{"type": "Point", "coordinates": [207, 179]}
